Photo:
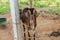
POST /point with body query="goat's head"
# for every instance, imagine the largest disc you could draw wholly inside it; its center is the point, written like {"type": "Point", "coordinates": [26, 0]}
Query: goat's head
{"type": "Point", "coordinates": [23, 15]}
{"type": "Point", "coordinates": [26, 12]}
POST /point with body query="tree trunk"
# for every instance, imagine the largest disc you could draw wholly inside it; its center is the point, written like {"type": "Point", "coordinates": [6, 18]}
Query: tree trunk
{"type": "Point", "coordinates": [31, 4]}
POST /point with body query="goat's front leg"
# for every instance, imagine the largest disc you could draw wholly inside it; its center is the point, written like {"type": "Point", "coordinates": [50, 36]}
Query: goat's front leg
{"type": "Point", "coordinates": [24, 31]}
{"type": "Point", "coordinates": [34, 20]}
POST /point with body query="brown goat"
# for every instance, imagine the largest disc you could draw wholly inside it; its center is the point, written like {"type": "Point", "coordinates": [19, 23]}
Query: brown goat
{"type": "Point", "coordinates": [28, 14]}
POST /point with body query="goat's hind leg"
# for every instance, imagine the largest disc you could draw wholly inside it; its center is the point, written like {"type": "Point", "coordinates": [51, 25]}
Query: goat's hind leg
{"type": "Point", "coordinates": [24, 29]}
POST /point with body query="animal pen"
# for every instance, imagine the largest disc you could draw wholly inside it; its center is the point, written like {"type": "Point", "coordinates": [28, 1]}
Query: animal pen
{"type": "Point", "coordinates": [44, 26]}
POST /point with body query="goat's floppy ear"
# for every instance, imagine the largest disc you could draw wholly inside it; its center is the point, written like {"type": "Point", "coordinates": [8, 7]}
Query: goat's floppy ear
{"type": "Point", "coordinates": [35, 12]}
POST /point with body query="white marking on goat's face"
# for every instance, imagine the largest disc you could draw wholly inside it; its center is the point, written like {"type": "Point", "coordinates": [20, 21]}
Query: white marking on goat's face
{"type": "Point", "coordinates": [34, 11]}
{"type": "Point", "coordinates": [26, 14]}
{"type": "Point", "coordinates": [29, 12]}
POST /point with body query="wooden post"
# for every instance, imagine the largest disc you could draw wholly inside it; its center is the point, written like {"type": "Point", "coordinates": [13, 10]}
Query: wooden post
{"type": "Point", "coordinates": [31, 4]}
{"type": "Point", "coordinates": [15, 19]}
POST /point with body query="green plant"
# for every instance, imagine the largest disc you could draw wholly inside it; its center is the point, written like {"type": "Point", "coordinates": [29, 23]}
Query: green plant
{"type": "Point", "coordinates": [4, 7]}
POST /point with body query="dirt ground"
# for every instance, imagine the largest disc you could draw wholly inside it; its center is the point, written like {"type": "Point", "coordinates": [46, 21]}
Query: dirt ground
{"type": "Point", "coordinates": [45, 25]}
